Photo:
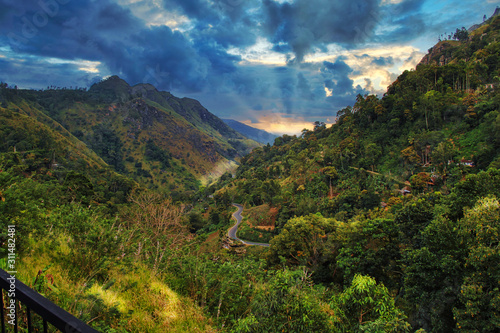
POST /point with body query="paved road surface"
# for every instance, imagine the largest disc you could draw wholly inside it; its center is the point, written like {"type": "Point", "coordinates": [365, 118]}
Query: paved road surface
{"type": "Point", "coordinates": [234, 228]}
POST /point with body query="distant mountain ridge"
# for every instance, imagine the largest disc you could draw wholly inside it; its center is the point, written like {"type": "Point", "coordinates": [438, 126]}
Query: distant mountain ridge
{"type": "Point", "coordinates": [251, 132]}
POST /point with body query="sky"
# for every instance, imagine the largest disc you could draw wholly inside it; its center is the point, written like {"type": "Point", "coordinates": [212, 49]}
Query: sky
{"type": "Point", "coordinates": [278, 65]}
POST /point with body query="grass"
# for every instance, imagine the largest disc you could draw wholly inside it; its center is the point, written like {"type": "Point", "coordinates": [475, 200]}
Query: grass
{"type": "Point", "coordinates": [128, 299]}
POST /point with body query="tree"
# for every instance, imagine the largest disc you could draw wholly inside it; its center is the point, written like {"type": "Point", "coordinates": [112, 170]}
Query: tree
{"type": "Point", "coordinates": [372, 152]}
{"type": "Point", "coordinates": [155, 153]}
{"type": "Point", "coordinates": [318, 125]}
{"type": "Point", "coordinates": [441, 156]}
{"type": "Point", "coordinates": [269, 189]}
{"type": "Point", "coordinates": [366, 306]}
{"type": "Point", "coordinates": [107, 144]}
{"type": "Point", "coordinates": [331, 173]}
{"type": "Point", "coordinates": [196, 221]}
{"type": "Point", "coordinates": [467, 192]}
{"type": "Point", "coordinates": [159, 217]}
{"type": "Point", "coordinates": [410, 157]}
{"type": "Point", "coordinates": [301, 242]}
{"type": "Point", "coordinates": [370, 247]}
{"type": "Point", "coordinates": [415, 216]}
{"type": "Point", "coordinates": [431, 103]}
{"type": "Point", "coordinates": [289, 303]}
{"type": "Point", "coordinates": [419, 181]}
{"type": "Point", "coordinates": [78, 187]}
{"type": "Point", "coordinates": [461, 35]}
{"type": "Point", "coordinates": [432, 275]}
{"type": "Point", "coordinates": [479, 298]}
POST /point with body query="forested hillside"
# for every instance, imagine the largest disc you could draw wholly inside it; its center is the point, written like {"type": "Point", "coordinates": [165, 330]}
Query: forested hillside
{"type": "Point", "coordinates": [153, 137]}
{"type": "Point", "coordinates": [387, 221]}
{"type": "Point", "coordinates": [433, 127]}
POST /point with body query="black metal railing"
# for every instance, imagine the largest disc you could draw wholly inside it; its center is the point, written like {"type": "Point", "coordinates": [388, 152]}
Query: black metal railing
{"type": "Point", "coordinates": [34, 302]}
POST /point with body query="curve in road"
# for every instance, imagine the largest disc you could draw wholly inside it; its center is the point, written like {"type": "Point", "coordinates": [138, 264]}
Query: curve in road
{"type": "Point", "coordinates": [234, 229]}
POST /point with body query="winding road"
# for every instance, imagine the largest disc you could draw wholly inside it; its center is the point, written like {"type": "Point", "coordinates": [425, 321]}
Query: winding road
{"type": "Point", "coordinates": [232, 231]}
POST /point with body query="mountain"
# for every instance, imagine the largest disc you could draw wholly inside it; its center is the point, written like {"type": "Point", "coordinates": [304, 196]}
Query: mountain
{"type": "Point", "coordinates": [251, 132]}
{"type": "Point", "coordinates": [153, 137]}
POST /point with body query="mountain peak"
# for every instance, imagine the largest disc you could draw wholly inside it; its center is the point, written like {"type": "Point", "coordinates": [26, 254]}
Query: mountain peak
{"type": "Point", "coordinates": [111, 89]}
{"type": "Point", "coordinates": [111, 81]}
{"type": "Point", "coordinates": [145, 86]}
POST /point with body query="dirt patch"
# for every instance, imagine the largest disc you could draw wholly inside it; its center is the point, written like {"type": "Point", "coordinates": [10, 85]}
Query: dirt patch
{"type": "Point", "coordinates": [212, 236]}
{"type": "Point", "coordinates": [267, 228]}
{"type": "Point", "coordinates": [261, 216]}
{"type": "Point", "coordinates": [211, 244]}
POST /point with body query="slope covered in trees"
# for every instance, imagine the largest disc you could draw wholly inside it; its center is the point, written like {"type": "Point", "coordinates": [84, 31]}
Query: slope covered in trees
{"type": "Point", "coordinates": [435, 125]}
{"type": "Point", "coordinates": [403, 188]}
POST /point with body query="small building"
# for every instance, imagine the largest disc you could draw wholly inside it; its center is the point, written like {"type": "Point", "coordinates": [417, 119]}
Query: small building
{"type": "Point", "coordinates": [468, 163]}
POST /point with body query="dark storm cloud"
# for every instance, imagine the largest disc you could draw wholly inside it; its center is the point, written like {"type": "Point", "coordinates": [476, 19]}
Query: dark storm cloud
{"type": "Point", "coordinates": [286, 83]}
{"type": "Point", "coordinates": [106, 32]}
{"type": "Point", "coordinates": [306, 24]}
{"type": "Point", "coordinates": [220, 60]}
{"type": "Point", "coordinates": [227, 22]}
{"type": "Point", "coordinates": [198, 9]}
{"type": "Point", "coordinates": [337, 80]}
{"type": "Point", "coordinates": [196, 59]}
{"type": "Point", "coordinates": [257, 107]}
{"type": "Point", "coordinates": [48, 27]}
{"type": "Point", "coordinates": [407, 19]}
{"type": "Point", "coordinates": [207, 12]}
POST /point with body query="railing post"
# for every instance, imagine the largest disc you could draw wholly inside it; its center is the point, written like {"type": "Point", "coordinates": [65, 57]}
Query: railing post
{"type": "Point", "coordinates": [28, 314]}
{"type": "Point", "coordinates": [2, 311]}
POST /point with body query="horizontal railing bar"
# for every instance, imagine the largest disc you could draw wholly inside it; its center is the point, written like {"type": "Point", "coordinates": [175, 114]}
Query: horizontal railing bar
{"type": "Point", "coordinates": [59, 318]}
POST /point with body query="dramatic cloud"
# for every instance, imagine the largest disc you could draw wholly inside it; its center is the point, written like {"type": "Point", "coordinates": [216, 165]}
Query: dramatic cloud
{"type": "Point", "coordinates": [304, 24]}
{"type": "Point", "coordinates": [338, 85]}
{"type": "Point", "coordinates": [283, 62]}
{"type": "Point", "coordinates": [106, 32]}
